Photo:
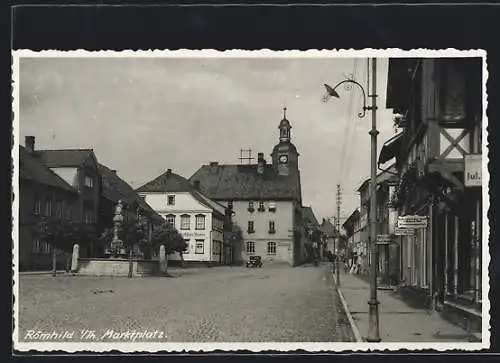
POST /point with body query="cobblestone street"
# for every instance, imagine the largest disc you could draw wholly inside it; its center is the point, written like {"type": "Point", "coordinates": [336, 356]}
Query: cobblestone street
{"type": "Point", "coordinates": [223, 304]}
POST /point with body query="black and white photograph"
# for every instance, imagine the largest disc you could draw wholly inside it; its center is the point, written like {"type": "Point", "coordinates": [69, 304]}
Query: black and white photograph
{"type": "Point", "coordinates": [260, 200]}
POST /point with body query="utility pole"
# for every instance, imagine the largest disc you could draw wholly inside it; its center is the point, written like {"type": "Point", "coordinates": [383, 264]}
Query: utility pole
{"type": "Point", "coordinates": [337, 245]}
{"type": "Point", "coordinates": [373, 318]}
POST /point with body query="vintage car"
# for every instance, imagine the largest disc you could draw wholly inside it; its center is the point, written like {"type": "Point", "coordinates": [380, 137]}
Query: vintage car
{"type": "Point", "coordinates": [254, 261]}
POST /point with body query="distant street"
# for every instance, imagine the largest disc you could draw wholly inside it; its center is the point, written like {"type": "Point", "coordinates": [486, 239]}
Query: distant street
{"type": "Point", "coordinates": [223, 304]}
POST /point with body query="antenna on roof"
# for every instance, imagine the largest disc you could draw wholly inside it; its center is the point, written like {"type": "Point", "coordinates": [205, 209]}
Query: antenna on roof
{"type": "Point", "coordinates": [247, 158]}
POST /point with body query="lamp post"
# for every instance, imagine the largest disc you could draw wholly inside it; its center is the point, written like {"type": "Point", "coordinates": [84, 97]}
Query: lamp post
{"type": "Point", "coordinates": [373, 327]}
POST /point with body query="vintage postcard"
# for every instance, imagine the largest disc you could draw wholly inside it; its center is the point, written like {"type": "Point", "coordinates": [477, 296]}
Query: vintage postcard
{"type": "Point", "coordinates": [201, 201]}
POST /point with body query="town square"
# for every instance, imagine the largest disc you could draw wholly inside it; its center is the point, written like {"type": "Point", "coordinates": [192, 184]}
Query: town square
{"type": "Point", "coordinates": [250, 197]}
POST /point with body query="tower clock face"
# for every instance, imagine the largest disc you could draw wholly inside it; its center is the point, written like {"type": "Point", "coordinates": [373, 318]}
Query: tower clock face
{"type": "Point", "coordinates": [283, 159]}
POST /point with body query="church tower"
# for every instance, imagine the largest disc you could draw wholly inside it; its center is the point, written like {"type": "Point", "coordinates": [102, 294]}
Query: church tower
{"type": "Point", "coordinates": [285, 156]}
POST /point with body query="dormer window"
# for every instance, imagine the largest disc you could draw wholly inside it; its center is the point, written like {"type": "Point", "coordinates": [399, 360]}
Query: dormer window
{"type": "Point", "coordinates": [89, 182]}
{"type": "Point", "coordinates": [230, 205]}
{"type": "Point", "coordinates": [261, 206]}
{"type": "Point", "coordinates": [250, 206]}
{"type": "Point", "coordinates": [171, 200]}
{"type": "Point", "coordinates": [272, 207]}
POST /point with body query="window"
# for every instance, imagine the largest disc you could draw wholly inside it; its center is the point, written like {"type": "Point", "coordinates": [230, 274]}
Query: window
{"type": "Point", "coordinates": [89, 182]}
{"type": "Point", "coordinates": [271, 227]}
{"type": "Point", "coordinates": [42, 248]}
{"type": "Point", "coordinates": [200, 221]}
{"type": "Point", "coordinates": [250, 247]}
{"type": "Point", "coordinates": [59, 210]}
{"type": "Point", "coordinates": [272, 207]}
{"type": "Point", "coordinates": [37, 207]}
{"type": "Point", "coordinates": [250, 227]}
{"type": "Point", "coordinates": [66, 210]}
{"type": "Point", "coordinates": [185, 221]}
{"type": "Point", "coordinates": [171, 200]}
{"type": "Point", "coordinates": [230, 205]}
{"type": "Point", "coordinates": [250, 206]}
{"type": "Point", "coordinates": [271, 248]}
{"type": "Point", "coordinates": [170, 220]}
{"type": "Point", "coordinates": [48, 207]}
{"type": "Point", "coordinates": [200, 244]}
{"type": "Point", "coordinates": [88, 214]}
{"type": "Point", "coordinates": [261, 206]}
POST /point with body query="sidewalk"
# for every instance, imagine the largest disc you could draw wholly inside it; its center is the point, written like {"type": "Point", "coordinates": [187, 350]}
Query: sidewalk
{"type": "Point", "coordinates": [398, 322]}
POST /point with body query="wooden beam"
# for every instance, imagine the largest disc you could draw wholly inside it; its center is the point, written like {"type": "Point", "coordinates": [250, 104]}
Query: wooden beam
{"type": "Point", "coordinates": [454, 143]}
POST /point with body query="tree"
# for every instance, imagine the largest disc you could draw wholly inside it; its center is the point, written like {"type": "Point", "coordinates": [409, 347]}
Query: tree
{"type": "Point", "coordinates": [60, 234]}
{"type": "Point", "coordinates": [168, 236]}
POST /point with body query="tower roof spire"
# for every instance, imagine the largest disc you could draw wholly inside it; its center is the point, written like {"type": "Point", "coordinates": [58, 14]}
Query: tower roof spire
{"type": "Point", "coordinates": [284, 112]}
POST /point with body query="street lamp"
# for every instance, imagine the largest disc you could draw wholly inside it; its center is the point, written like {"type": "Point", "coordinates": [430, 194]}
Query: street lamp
{"type": "Point", "coordinates": [373, 327]}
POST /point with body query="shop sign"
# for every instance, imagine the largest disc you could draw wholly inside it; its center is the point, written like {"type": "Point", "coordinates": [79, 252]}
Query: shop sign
{"type": "Point", "coordinates": [472, 172]}
{"type": "Point", "coordinates": [412, 222]}
{"type": "Point", "coordinates": [383, 239]}
{"type": "Point", "coordinates": [404, 231]}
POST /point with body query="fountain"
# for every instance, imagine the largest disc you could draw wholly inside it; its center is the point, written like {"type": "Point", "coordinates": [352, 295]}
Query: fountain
{"type": "Point", "coordinates": [116, 262]}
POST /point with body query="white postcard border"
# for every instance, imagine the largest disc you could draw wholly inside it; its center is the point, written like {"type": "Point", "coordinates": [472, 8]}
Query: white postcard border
{"type": "Point", "coordinates": [247, 346]}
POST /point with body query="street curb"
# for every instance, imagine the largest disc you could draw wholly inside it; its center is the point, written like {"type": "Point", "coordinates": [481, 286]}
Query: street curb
{"type": "Point", "coordinates": [354, 328]}
{"type": "Point", "coordinates": [41, 273]}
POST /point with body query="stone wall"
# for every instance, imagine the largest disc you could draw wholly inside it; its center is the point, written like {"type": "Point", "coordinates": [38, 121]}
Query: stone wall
{"type": "Point", "coordinates": [116, 267]}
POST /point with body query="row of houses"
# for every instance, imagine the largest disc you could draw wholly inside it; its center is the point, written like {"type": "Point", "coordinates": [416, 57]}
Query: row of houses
{"type": "Point", "coordinates": [431, 169]}
{"type": "Point", "coordinates": [70, 185]}
{"type": "Point", "coordinates": [260, 203]}
{"type": "Point", "coordinates": [225, 212]}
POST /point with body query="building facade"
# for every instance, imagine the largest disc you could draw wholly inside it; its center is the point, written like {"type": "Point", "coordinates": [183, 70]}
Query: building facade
{"type": "Point", "coordinates": [198, 219]}
{"type": "Point", "coordinates": [438, 103]}
{"type": "Point", "coordinates": [265, 200]}
{"type": "Point", "coordinates": [41, 193]}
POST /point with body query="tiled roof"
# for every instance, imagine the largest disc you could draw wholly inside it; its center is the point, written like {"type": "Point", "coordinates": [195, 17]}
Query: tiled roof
{"type": "Point", "coordinates": [233, 182]}
{"type": "Point", "coordinates": [166, 182]}
{"type": "Point", "coordinates": [30, 168]}
{"type": "Point", "coordinates": [328, 228]}
{"type": "Point", "coordinates": [64, 157]}
{"type": "Point", "coordinates": [308, 216]}
{"type": "Point", "coordinates": [170, 182]}
{"type": "Point", "coordinates": [115, 188]}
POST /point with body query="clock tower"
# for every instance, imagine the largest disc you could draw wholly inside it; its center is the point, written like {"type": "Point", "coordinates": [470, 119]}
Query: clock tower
{"type": "Point", "coordinates": [285, 155]}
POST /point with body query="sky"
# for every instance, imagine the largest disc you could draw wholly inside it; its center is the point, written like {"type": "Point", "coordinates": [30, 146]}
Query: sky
{"type": "Point", "coordinates": [143, 116]}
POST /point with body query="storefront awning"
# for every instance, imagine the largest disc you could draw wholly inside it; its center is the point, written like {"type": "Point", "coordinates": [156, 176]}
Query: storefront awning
{"type": "Point", "coordinates": [390, 148]}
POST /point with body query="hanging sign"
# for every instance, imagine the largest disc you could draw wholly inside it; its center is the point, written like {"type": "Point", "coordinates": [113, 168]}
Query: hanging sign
{"type": "Point", "coordinates": [472, 171]}
{"type": "Point", "coordinates": [412, 222]}
{"type": "Point", "coordinates": [404, 231]}
{"type": "Point", "coordinates": [383, 239]}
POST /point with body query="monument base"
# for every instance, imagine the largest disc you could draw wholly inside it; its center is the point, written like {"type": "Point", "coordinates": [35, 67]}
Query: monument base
{"type": "Point", "coordinates": [116, 267]}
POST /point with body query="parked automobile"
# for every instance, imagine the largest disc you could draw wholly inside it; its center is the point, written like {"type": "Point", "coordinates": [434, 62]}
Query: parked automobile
{"type": "Point", "coordinates": [254, 261]}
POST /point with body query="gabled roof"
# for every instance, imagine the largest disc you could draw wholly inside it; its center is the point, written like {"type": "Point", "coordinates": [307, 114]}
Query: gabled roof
{"type": "Point", "coordinates": [170, 182]}
{"type": "Point", "coordinates": [352, 218]}
{"type": "Point", "coordinates": [308, 216]}
{"type": "Point", "coordinates": [328, 228]}
{"type": "Point", "coordinates": [166, 182]}
{"type": "Point", "coordinates": [115, 188]}
{"type": "Point", "coordinates": [382, 177]}
{"type": "Point", "coordinates": [64, 157]}
{"type": "Point", "coordinates": [30, 168]}
{"type": "Point", "coordinates": [243, 182]}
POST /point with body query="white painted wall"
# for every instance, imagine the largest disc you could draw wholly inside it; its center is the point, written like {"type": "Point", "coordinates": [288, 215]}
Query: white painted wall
{"type": "Point", "coordinates": [68, 174]}
{"type": "Point", "coordinates": [185, 203]}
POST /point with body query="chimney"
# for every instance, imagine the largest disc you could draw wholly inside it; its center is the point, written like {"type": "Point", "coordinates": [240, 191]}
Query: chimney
{"type": "Point", "coordinates": [169, 171]}
{"type": "Point", "coordinates": [261, 163]}
{"type": "Point", "coordinates": [113, 171]}
{"type": "Point", "coordinates": [214, 163]}
{"type": "Point", "coordinates": [196, 184]}
{"type": "Point", "coordinates": [29, 143]}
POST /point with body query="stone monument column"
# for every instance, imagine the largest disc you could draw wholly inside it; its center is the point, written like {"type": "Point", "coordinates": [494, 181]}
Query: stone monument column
{"type": "Point", "coordinates": [74, 258]}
